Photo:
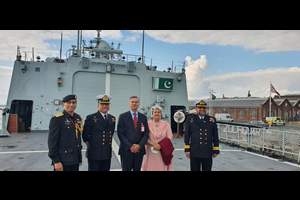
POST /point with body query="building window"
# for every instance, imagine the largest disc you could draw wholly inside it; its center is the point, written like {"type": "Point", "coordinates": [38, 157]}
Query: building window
{"type": "Point", "coordinates": [264, 113]}
{"type": "Point", "coordinates": [290, 113]}
{"type": "Point", "coordinates": [253, 114]}
{"type": "Point", "coordinates": [241, 114]}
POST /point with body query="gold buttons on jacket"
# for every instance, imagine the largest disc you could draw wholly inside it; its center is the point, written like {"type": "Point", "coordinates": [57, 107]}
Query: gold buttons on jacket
{"type": "Point", "coordinates": [103, 140]}
{"type": "Point", "coordinates": [103, 143]}
{"type": "Point", "coordinates": [103, 135]}
{"type": "Point", "coordinates": [103, 131]}
{"type": "Point", "coordinates": [66, 152]}
{"type": "Point", "coordinates": [200, 142]}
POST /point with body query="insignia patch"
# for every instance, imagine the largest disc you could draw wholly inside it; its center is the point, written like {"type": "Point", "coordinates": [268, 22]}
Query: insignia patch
{"type": "Point", "coordinates": [192, 120]}
{"type": "Point", "coordinates": [113, 120]}
{"type": "Point", "coordinates": [105, 98]}
{"type": "Point", "coordinates": [202, 103]}
{"type": "Point", "coordinates": [211, 120]}
{"type": "Point", "coordinates": [67, 121]}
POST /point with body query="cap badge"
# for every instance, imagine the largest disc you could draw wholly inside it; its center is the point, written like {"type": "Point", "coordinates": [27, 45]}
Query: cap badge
{"type": "Point", "coordinates": [105, 98]}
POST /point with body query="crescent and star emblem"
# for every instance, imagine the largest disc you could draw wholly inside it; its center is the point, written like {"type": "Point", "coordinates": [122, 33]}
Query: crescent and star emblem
{"type": "Point", "coordinates": [167, 83]}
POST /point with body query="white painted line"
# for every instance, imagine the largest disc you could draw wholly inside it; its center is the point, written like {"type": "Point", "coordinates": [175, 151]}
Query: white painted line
{"type": "Point", "coordinates": [222, 150]}
{"type": "Point", "coordinates": [226, 150]}
{"type": "Point", "coordinates": [15, 152]}
{"type": "Point", "coordinates": [295, 165]}
{"type": "Point", "coordinates": [261, 156]}
{"type": "Point", "coordinates": [115, 147]}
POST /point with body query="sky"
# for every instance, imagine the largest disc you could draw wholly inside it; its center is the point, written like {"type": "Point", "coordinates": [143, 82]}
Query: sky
{"type": "Point", "coordinates": [229, 62]}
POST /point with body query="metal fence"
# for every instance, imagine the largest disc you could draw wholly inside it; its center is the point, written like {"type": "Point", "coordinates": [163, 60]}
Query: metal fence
{"type": "Point", "coordinates": [280, 142]}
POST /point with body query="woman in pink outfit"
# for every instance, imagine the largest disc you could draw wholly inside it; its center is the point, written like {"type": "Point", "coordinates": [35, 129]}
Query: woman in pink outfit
{"type": "Point", "coordinates": [158, 131]}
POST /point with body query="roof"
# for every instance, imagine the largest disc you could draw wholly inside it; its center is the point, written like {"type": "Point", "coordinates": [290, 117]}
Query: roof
{"type": "Point", "coordinates": [243, 102]}
{"type": "Point", "coordinates": [251, 102]}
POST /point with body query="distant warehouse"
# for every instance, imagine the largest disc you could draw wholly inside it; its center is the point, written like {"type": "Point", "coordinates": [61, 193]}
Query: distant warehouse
{"type": "Point", "coordinates": [255, 108]}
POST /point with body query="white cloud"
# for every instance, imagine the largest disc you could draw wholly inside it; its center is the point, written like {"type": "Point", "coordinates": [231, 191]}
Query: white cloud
{"type": "Point", "coordinates": [285, 80]}
{"type": "Point", "coordinates": [132, 38]}
{"type": "Point", "coordinates": [10, 39]}
{"type": "Point", "coordinates": [5, 76]}
{"type": "Point", "coordinates": [195, 73]}
{"type": "Point", "coordinates": [257, 40]}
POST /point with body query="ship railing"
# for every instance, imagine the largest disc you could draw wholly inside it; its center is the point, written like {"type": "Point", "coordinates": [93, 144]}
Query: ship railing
{"type": "Point", "coordinates": [162, 65]}
{"type": "Point", "coordinates": [275, 142]}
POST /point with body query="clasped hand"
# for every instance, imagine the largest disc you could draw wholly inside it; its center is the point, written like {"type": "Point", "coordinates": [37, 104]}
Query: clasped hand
{"type": "Point", "coordinates": [135, 148]}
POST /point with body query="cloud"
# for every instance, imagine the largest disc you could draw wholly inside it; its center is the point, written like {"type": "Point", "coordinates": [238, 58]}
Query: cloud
{"type": "Point", "coordinates": [132, 38]}
{"type": "Point", "coordinates": [39, 39]}
{"type": "Point", "coordinates": [195, 74]}
{"type": "Point", "coordinates": [5, 76]}
{"type": "Point", "coordinates": [285, 80]}
{"type": "Point", "coordinates": [258, 40]}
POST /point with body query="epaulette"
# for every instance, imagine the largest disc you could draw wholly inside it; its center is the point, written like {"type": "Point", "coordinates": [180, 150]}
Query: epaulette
{"type": "Point", "coordinates": [59, 115]}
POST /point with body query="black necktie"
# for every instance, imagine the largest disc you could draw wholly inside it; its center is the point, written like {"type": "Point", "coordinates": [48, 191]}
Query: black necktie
{"type": "Point", "coordinates": [106, 120]}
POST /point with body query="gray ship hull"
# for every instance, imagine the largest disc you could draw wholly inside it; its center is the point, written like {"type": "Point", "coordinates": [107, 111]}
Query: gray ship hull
{"type": "Point", "coordinates": [37, 89]}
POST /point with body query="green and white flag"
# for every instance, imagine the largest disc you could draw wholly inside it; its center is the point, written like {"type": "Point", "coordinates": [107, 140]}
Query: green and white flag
{"type": "Point", "coordinates": [163, 83]}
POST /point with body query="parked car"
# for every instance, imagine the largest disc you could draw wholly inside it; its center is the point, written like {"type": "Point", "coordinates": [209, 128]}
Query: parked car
{"type": "Point", "coordinates": [275, 120]}
{"type": "Point", "coordinates": [224, 117]}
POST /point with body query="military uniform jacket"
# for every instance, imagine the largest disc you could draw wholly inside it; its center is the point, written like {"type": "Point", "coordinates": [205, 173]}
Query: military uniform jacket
{"type": "Point", "coordinates": [64, 142]}
{"type": "Point", "coordinates": [97, 134]}
{"type": "Point", "coordinates": [201, 136]}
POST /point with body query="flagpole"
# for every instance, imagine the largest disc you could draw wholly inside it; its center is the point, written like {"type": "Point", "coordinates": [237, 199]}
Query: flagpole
{"type": "Point", "coordinates": [270, 104]}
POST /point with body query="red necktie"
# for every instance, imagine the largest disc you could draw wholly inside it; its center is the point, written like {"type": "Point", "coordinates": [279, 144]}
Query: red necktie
{"type": "Point", "coordinates": [135, 121]}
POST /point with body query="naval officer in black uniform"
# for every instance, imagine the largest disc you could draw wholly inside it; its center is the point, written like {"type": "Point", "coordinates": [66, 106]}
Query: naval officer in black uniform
{"type": "Point", "coordinates": [98, 132]}
{"type": "Point", "coordinates": [201, 138]}
{"type": "Point", "coordinates": [64, 140]}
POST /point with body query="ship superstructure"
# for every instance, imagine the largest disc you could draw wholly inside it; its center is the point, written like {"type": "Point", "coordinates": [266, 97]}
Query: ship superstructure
{"type": "Point", "coordinates": [37, 87]}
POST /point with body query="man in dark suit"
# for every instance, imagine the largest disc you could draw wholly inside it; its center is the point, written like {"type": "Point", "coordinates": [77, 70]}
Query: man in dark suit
{"type": "Point", "coordinates": [64, 140]}
{"type": "Point", "coordinates": [201, 138]}
{"type": "Point", "coordinates": [133, 133]}
{"type": "Point", "coordinates": [98, 132]}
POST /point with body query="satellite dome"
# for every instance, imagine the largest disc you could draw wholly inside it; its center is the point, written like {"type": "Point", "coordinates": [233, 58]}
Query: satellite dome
{"type": "Point", "coordinates": [103, 45]}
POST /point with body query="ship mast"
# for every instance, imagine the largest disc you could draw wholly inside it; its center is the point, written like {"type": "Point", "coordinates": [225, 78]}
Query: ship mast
{"type": "Point", "coordinates": [98, 38]}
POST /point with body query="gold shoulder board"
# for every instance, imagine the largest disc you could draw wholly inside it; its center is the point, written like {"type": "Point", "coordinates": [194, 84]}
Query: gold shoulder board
{"type": "Point", "coordinates": [59, 115]}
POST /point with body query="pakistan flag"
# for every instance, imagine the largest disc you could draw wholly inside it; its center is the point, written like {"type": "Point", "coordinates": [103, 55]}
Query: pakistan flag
{"type": "Point", "coordinates": [163, 83]}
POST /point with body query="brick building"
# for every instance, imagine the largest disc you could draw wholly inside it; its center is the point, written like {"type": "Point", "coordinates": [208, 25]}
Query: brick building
{"type": "Point", "coordinates": [255, 109]}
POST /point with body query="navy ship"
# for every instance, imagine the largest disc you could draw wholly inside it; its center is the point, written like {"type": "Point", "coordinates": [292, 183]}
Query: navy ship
{"type": "Point", "coordinates": [37, 87]}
